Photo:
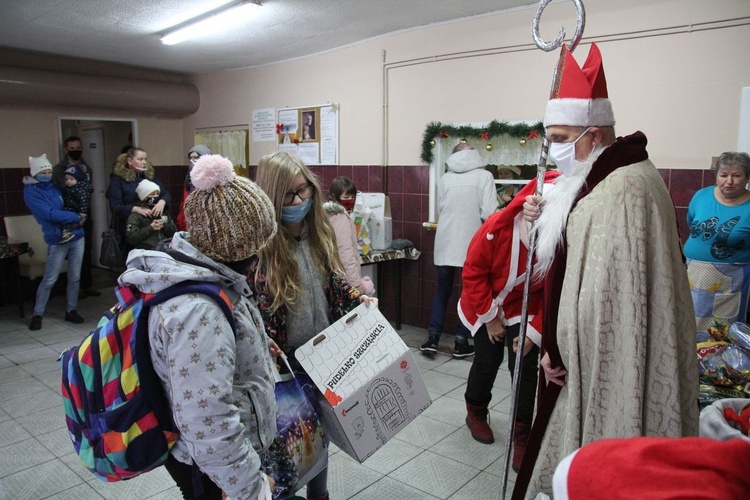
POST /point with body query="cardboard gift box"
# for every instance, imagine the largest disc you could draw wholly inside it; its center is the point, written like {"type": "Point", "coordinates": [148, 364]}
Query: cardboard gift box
{"type": "Point", "coordinates": [380, 224]}
{"type": "Point", "coordinates": [370, 386]}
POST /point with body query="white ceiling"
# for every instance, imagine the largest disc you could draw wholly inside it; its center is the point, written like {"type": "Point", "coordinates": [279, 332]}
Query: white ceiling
{"type": "Point", "coordinates": [128, 31]}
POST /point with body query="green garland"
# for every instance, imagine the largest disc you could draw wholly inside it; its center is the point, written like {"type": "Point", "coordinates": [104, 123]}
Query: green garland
{"type": "Point", "coordinates": [494, 129]}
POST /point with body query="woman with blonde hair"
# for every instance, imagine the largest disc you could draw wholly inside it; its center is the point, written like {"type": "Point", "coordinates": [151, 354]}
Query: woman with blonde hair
{"type": "Point", "coordinates": [297, 277]}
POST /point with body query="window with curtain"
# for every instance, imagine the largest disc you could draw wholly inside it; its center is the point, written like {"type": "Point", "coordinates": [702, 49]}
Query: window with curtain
{"type": "Point", "coordinates": [229, 143]}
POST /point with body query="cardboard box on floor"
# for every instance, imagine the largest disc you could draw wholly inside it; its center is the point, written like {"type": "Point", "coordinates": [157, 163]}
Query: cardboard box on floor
{"type": "Point", "coordinates": [370, 385]}
{"type": "Point", "coordinates": [380, 224]}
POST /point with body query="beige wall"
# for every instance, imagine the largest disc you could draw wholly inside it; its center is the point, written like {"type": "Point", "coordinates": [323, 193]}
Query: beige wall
{"type": "Point", "coordinates": [679, 85]}
{"type": "Point", "coordinates": [682, 87]}
{"type": "Point", "coordinates": [31, 132]}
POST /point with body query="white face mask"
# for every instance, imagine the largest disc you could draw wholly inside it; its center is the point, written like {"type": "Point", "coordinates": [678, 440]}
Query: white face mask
{"type": "Point", "coordinates": [564, 155]}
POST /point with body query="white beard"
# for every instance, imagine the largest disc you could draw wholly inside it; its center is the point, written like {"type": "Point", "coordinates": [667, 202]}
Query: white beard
{"type": "Point", "coordinates": [550, 226]}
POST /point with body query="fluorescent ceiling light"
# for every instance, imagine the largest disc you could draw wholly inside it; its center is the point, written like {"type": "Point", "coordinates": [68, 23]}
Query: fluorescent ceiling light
{"type": "Point", "coordinates": [233, 13]}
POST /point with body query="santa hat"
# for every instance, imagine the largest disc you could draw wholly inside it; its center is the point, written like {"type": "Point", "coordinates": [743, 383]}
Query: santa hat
{"type": "Point", "coordinates": [654, 467]}
{"type": "Point", "coordinates": [39, 164]}
{"type": "Point", "coordinates": [145, 188]}
{"type": "Point", "coordinates": [579, 96]}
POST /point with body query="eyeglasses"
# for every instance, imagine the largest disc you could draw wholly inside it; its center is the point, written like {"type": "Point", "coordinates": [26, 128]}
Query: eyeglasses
{"type": "Point", "coordinates": [302, 193]}
{"type": "Point", "coordinates": [193, 159]}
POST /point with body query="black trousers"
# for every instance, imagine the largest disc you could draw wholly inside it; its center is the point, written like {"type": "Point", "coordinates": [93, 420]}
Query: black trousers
{"type": "Point", "coordinates": [183, 476]}
{"type": "Point", "coordinates": [487, 360]}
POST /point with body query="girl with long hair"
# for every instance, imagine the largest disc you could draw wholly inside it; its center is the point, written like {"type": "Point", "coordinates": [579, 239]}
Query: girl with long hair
{"type": "Point", "coordinates": [297, 277]}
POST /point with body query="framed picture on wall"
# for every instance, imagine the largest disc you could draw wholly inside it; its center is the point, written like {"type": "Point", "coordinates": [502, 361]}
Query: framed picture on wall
{"type": "Point", "coordinates": [309, 124]}
{"type": "Point", "coordinates": [310, 132]}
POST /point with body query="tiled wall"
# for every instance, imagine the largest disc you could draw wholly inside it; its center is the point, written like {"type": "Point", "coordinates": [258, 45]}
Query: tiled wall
{"type": "Point", "coordinates": [407, 188]}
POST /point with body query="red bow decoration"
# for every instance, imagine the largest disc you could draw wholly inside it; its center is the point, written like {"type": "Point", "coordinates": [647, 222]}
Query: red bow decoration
{"type": "Point", "coordinates": [279, 127]}
{"type": "Point", "coordinates": [739, 421]}
{"type": "Point", "coordinates": [532, 135]}
{"type": "Point", "coordinates": [442, 134]}
{"type": "Point", "coordinates": [485, 135]}
{"type": "Point", "coordinates": [296, 141]}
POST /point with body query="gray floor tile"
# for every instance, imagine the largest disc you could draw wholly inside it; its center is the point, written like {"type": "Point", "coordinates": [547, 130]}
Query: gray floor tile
{"type": "Point", "coordinates": [80, 492]}
{"type": "Point", "coordinates": [12, 373]}
{"type": "Point", "coordinates": [51, 379]}
{"type": "Point", "coordinates": [172, 493]}
{"type": "Point", "coordinates": [433, 474]}
{"type": "Point", "coordinates": [448, 410]}
{"type": "Point", "coordinates": [29, 355]}
{"type": "Point", "coordinates": [439, 384]}
{"type": "Point", "coordinates": [58, 442]}
{"type": "Point", "coordinates": [144, 486]}
{"type": "Point", "coordinates": [391, 456]}
{"type": "Point", "coordinates": [21, 456]}
{"type": "Point", "coordinates": [13, 346]}
{"type": "Point", "coordinates": [40, 481]}
{"type": "Point", "coordinates": [483, 487]}
{"type": "Point", "coordinates": [347, 477]}
{"type": "Point", "coordinates": [5, 362]}
{"type": "Point", "coordinates": [12, 432]}
{"type": "Point", "coordinates": [425, 432]}
{"type": "Point", "coordinates": [31, 403]}
{"type": "Point", "coordinates": [4, 417]}
{"type": "Point", "coordinates": [42, 366]}
{"type": "Point", "coordinates": [20, 388]}
{"type": "Point", "coordinates": [388, 489]}
{"type": "Point", "coordinates": [456, 367]}
{"type": "Point", "coordinates": [45, 420]}
{"type": "Point", "coordinates": [461, 447]}
{"type": "Point", "coordinates": [428, 362]}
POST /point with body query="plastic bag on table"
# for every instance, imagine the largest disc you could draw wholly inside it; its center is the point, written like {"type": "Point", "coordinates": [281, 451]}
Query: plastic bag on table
{"type": "Point", "coordinates": [739, 334]}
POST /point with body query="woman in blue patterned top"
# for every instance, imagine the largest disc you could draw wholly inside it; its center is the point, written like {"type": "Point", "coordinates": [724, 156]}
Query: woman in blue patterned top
{"type": "Point", "coordinates": [718, 248]}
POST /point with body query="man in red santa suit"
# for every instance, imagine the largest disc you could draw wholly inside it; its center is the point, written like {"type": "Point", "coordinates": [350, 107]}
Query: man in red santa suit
{"type": "Point", "coordinates": [617, 343]}
{"type": "Point", "coordinates": [490, 307]}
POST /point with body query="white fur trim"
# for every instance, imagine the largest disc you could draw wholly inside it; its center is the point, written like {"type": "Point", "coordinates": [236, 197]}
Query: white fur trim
{"type": "Point", "coordinates": [560, 478]}
{"type": "Point", "coordinates": [579, 112]}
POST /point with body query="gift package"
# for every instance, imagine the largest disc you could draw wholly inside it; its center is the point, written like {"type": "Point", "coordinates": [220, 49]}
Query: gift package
{"type": "Point", "coordinates": [370, 386]}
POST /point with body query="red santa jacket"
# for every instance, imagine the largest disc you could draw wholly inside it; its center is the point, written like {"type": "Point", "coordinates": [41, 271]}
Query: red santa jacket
{"type": "Point", "coordinates": [495, 271]}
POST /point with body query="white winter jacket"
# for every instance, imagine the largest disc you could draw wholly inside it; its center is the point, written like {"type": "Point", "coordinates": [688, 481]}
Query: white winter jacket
{"type": "Point", "coordinates": [221, 388]}
{"type": "Point", "coordinates": [467, 197]}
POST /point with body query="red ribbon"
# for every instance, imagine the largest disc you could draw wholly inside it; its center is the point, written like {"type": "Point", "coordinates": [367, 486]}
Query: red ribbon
{"type": "Point", "coordinates": [279, 127]}
{"type": "Point", "coordinates": [442, 134]}
{"type": "Point", "coordinates": [485, 135]}
{"type": "Point", "coordinates": [532, 135]}
{"type": "Point", "coordinates": [296, 141]}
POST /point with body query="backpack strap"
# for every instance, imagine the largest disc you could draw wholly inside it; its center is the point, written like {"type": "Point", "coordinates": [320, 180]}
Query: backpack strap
{"type": "Point", "coordinates": [150, 383]}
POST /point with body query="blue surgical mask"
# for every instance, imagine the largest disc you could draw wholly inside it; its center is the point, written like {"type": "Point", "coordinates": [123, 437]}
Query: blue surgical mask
{"type": "Point", "coordinates": [43, 177]}
{"type": "Point", "coordinates": [294, 214]}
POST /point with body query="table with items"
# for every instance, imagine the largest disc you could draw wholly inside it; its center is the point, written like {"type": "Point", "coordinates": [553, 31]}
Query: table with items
{"type": "Point", "coordinates": [377, 257]}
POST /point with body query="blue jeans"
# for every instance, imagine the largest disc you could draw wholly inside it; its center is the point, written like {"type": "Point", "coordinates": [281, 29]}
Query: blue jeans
{"type": "Point", "coordinates": [440, 303]}
{"type": "Point", "coordinates": [56, 255]}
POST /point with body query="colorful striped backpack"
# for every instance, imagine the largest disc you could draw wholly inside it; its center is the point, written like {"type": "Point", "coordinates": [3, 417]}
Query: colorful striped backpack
{"type": "Point", "coordinates": [118, 416]}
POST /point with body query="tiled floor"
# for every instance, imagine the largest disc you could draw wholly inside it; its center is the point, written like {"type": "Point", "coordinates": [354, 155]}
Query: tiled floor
{"type": "Point", "coordinates": [434, 457]}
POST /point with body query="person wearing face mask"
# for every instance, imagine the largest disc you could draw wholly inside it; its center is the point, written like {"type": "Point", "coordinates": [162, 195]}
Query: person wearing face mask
{"type": "Point", "coordinates": [145, 231]}
{"type": "Point", "coordinates": [618, 339]}
{"type": "Point", "coordinates": [129, 170]}
{"type": "Point", "coordinates": [73, 157]}
{"type": "Point", "coordinates": [341, 196]}
{"type": "Point", "coordinates": [195, 152]}
{"type": "Point", "coordinates": [297, 276]}
{"type": "Point", "coordinates": [45, 201]}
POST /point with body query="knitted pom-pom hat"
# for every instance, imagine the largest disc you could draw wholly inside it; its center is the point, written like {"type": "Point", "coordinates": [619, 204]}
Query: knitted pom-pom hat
{"type": "Point", "coordinates": [39, 164]}
{"type": "Point", "coordinates": [229, 217]}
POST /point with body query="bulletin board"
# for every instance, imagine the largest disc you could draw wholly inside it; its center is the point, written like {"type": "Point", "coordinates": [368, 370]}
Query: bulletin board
{"type": "Point", "coordinates": [310, 132]}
